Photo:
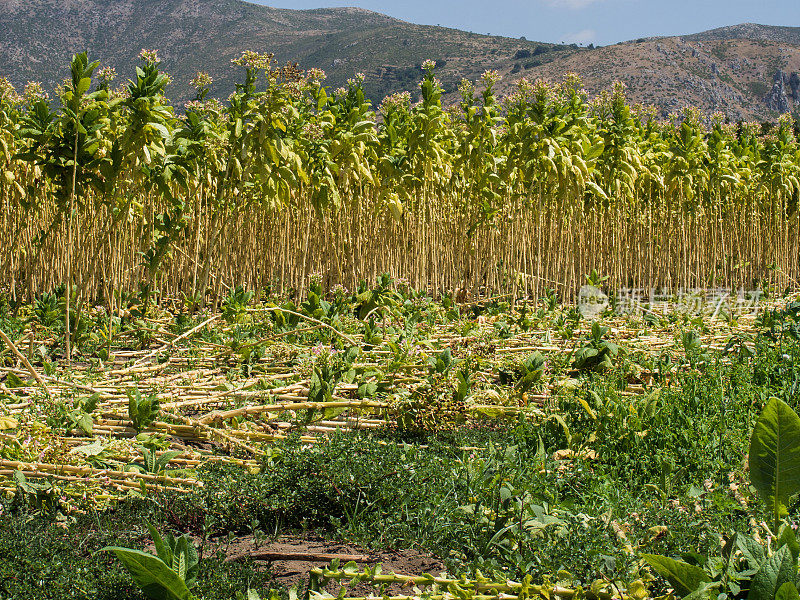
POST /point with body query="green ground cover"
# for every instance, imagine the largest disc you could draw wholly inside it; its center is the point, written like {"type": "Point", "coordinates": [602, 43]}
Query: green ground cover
{"type": "Point", "coordinates": [504, 440]}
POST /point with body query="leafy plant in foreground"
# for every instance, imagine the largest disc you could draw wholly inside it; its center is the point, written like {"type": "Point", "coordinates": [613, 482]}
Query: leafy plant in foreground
{"type": "Point", "coordinates": [598, 355]}
{"type": "Point", "coordinates": [151, 463]}
{"type": "Point", "coordinates": [34, 495]}
{"type": "Point", "coordinates": [77, 417]}
{"type": "Point", "coordinates": [751, 568]}
{"type": "Point", "coordinates": [142, 410]}
{"type": "Point", "coordinates": [234, 307]}
{"type": "Point", "coordinates": [169, 575]}
{"type": "Point", "coordinates": [526, 374]}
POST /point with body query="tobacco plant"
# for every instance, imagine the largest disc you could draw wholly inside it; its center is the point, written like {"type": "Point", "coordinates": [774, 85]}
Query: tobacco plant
{"type": "Point", "coordinates": [749, 567]}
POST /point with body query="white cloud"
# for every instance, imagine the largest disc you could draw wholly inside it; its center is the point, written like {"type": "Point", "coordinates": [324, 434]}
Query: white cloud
{"type": "Point", "coordinates": [584, 36]}
{"type": "Point", "coordinates": [572, 4]}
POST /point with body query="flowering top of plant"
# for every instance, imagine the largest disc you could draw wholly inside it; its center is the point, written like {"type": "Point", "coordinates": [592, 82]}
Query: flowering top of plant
{"type": "Point", "coordinates": [8, 93]}
{"type": "Point", "coordinates": [395, 102]}
{"type": "Point", "coordinates": [357, 80]}
{"type": "Point", "coordinates": [106, 75]}
{"type": "Point", "coordinates": [34, 92]}
{"type": "Point", "coordinates": [315, 76]}
{"type": "Point", "coordinates": [202, 80]}
{"type": "Point", "coordinates": [490, 77]}
{"type": "Point", "coordinates": [254, 60]}
{"type": "Point", "coordinates": [149, 56]}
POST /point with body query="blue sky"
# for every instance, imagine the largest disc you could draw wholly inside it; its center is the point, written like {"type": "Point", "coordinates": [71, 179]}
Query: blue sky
{"type": "Point", "coordinates": [580, 21]}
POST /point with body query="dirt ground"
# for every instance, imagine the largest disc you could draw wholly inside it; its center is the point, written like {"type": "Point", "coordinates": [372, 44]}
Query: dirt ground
{"type": "Point", "coordinates": [290, 559]}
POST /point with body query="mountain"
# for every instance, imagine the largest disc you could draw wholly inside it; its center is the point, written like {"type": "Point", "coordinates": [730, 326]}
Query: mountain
{"type": "Point", "coordinates": [749, 71]}
{"type": "Point", "coordinates": [749, 31]}
{"type": "Point", "coordinates": [38, 37]}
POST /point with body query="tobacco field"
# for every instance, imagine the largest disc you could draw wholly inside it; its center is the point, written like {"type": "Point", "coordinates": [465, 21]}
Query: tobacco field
{"type": "Point", "coordinates": [291, 346]}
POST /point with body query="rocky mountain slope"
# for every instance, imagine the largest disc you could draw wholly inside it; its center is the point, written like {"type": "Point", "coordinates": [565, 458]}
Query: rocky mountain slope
{"type": "Point", "coordinates": [749, 71]}
{"type": "Point", "coordinates": [751, 74]}
{"type": "Point", "coordinates": [37, 38]}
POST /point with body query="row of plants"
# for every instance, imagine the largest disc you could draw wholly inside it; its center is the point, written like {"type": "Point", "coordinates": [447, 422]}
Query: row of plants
{"type": "Point", "coordinates": [110, 189]}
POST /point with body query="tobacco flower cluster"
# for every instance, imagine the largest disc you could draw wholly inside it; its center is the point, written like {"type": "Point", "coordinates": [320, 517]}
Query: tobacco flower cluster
{"type": "Point", "coordinates": [314, 76]}
{"type": "Point", "coordinates": [399, 101]}
{"type": "Point", "coordinates": [255, 60]}
{"type": "Point", "coordinates": [149, 56]}
{"type": "Point", "coordinates": [202, 80]}
{"type": "Point", "coordinates": [7, 92]}
{"type": "Point", "coordinates": [106, 75]}
{"type": "Point", "coordinates": [34, 92]}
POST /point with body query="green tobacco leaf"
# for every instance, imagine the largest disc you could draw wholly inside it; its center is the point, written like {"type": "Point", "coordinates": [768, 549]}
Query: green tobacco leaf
{"type": "Point", "coordinates": [751, 549]}
{"type": "Point", "coordinates": [93, 449]}
{"type": "Point", "coordinates": [367, 389]}
{"type": "Point", "coordinates": [775, 456]}
{"type": "Point", "coordinates": [787, 537]}
{"type": "Point", "coordinates": [179, 562]}
{"type": "Point", "coordinates": [156, 580]}
{"type": "Point", "coordinates": [85, 423]}
{"type": "Point", "coordinates": [162, 550]}
{"type": "Point", "coordinates": [332, 413]}
{"type": "Point", "coordinates": [83, 86]}
{"type": "Point", "coordinates": [685, 578]}
{"type": "Point", "coordinates": [163, 460]}
{"type": "Point", "coordinates": [704, 590]}
{"type": "Point", "coordinates": [12, 381]}
{"type": "Point", "coordinates": [776, 570]}
{"type": "Point", "coordinates": [788, 591]}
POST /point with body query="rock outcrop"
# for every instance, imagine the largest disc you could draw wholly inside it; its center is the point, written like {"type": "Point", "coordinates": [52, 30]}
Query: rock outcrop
{"type": "Point", "coordinates": [777, 99]}
{"type": "Point", "coordinates": [794, 85]}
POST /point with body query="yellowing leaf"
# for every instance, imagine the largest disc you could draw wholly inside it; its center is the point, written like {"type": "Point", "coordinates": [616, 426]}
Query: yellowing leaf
{"type": "Point", "coordinates": [588, 408]}
{"type": "Point", "coordinates": [8, 423]}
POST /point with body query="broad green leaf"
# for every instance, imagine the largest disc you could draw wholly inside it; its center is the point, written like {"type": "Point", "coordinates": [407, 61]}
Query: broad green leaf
{"type": "Point", "coordinates": [595, 151]}
{"type": "Point", "coordinates": [776, 570]}
{"type": "Point", "coordinates": [163, 460]}
{"type": "Point", "coordinates": [367, 389]}
{"type": "Point", "coordinates": [91, 403]}
{"type": "Point", "coordinates": [751, 549]}
{"type": "Point", "coordinates": [93, 449]}
{"type": "Point", "coordinates": [685, 578]}
{"type": "Point", "coordinates": [12, 381]}
{"type": "Point", "coordinates": [156, 580]}
{"type": "Point", "coordinates": [788, 591]}
{"type": "Point", "coordinates": [703, 590]}
{"type": "Point", "coordinates": [83, 86]}
{"type": "Point", "coordinates": [85, 423]}
{"type": "Point", "coordinates": [787, 537]}
{"type": "Point", "coordinates": [332, 413]}
{"type": "Point", "coordinates": [162, 550]}
{"type": "Point", "coordinates": [179, 564]}
{"type": "Point", "coordinates": [775, 456]}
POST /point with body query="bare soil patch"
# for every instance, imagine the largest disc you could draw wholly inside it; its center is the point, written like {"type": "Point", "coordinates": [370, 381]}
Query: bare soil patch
{"type": "Point", "coordinates": [290, 558]}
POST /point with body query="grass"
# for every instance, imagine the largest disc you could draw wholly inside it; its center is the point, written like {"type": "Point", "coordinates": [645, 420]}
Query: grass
{"type": "Point", "coordinates": [602, 471]}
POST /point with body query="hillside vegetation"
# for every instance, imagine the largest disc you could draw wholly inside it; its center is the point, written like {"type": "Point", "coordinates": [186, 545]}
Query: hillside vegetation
{"type": "Point", "coordinates": [37, 37]}
{"type": "Point", "coordinates": [732, 69]}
